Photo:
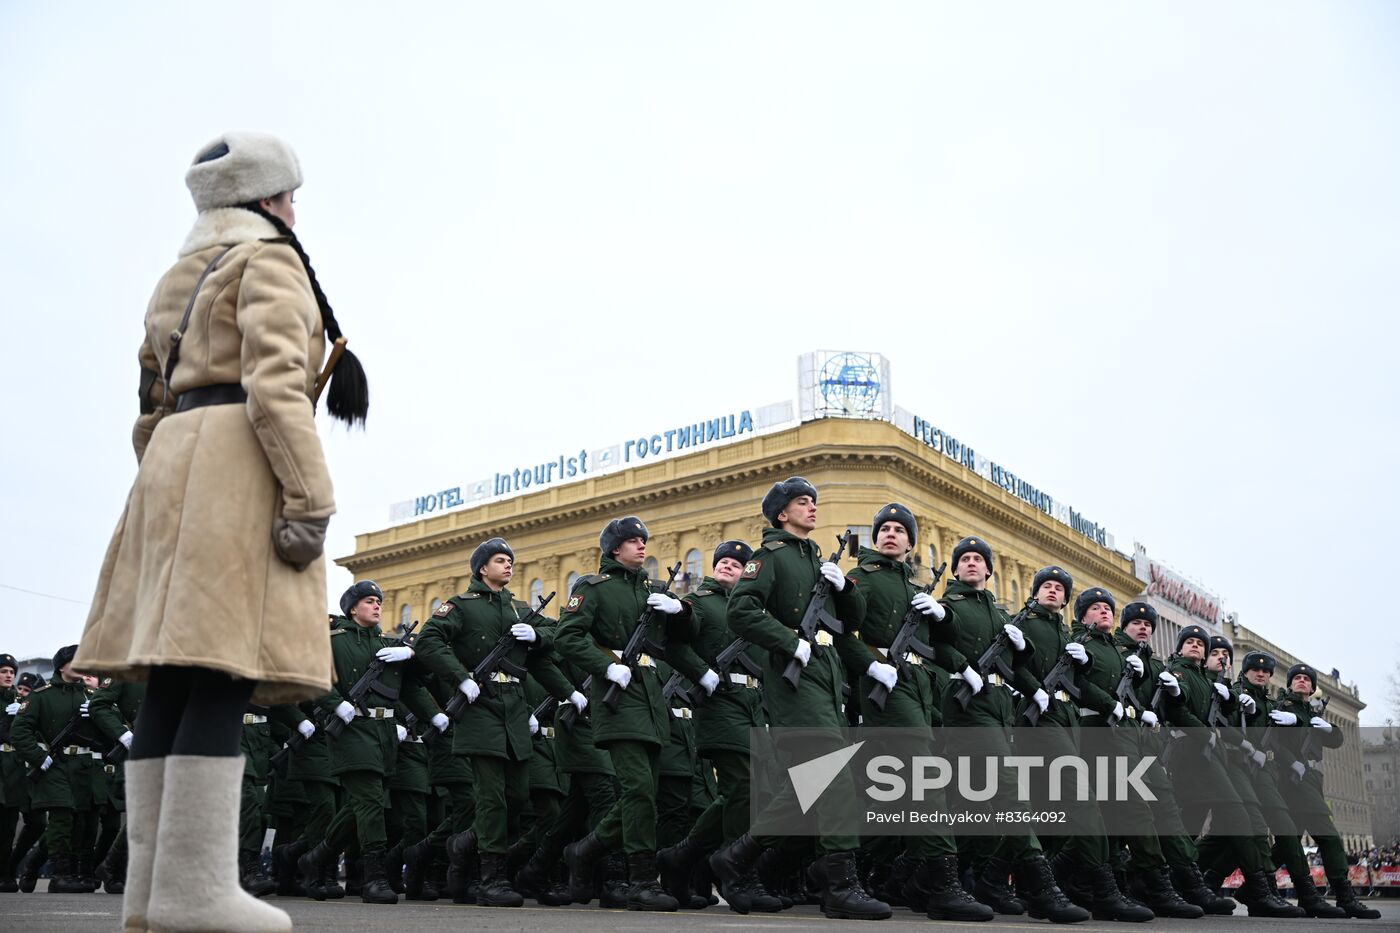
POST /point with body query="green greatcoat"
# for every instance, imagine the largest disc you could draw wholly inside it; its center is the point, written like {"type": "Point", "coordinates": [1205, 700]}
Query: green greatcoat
{"type": "Point", "coordinates": [723, 721]}
{"type": "Point", "coordinates": [597, 620]}
{"type": "Point", "coordinates": [460, 634]}
{"type": "Point", "coordinates": [888, 585]}
{"type": "Point", "coordinates": [574, 749]}
{"type": "Point", "coordinates": [68, 782]}
{"type": "Point", "coordinates": [14, 789]}
{"type": "Point", "coordinates": [312, 761]}
{"type": "Point", "coordinates": [1307, 801]}
{"type": "Point", "coordinates": [369, 744]}
{"type": "Point", "coordinates": [766, 607]}
{"type": "Point", "coordinates": [544, 775]}
{"type": "Point", "coordinates": [971, 624]}
{"type": "Point", "coordinates": [1097, 682]}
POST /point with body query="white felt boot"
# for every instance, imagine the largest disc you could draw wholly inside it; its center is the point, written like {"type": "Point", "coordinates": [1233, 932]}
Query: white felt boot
{"type": "Point", "coordinates": [145, 780]}
{"type": "Point", "coordinates": [194, 884]}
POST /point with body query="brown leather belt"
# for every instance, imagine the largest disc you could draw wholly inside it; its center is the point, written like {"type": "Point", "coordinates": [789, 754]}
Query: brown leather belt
{"type": "Point", "coordinates": [222, 394]}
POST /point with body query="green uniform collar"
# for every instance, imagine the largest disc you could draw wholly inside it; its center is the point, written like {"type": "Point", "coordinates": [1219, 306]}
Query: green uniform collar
{"type": "Point", "coordinates": [715, 584]}
{"type": "Point", "coordinates": [345, 622]}
{"type": "Point", "coordinates": [1121, 639]}
{"type": "Point", "coordinates": [478, 586]}
{"type": "Point", "coordinates": [1079, 628]}
{"type": "Point", "coordinates": [1040, 612]}
{"type": "Point", "coordinates": [956, 587]}
{"type": "Point", "coordinates": [868, 555]}
{"type": "Point", "coordinates": [612, 568]}
{"type": "Point", "coordinates": [773, 536]}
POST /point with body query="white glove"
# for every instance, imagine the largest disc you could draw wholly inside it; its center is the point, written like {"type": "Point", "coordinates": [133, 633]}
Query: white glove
{"type": "Point", "coordinates": [12, 709]}
{"type": "Point", "coordinates": [1299, 769]}
{"type": "Point", "coordinates": [1319, 723]}
{"type": "Point", "coordinates": [667, 604]}
{"type": "Point", "coordinates": [1148, 718]}
{"type": "Point", "coordinates": [470, 689]}
{"type": "Point", "coordinates": [1283, 717]}
{"type": "Point", "coordinates": [46, 764]}
{"type": "Point", "coordinates": [834, 576]}
{"type": "Point", "coordinates": [83, 709]}
{"type": "Point", "coordinates": [929, 606]}
{"type": "Point", "coordinates": [395, 654]}
{"type": "Point", "coordinates": [345, 711]}
{"type": "Point", "coordinates": [709, 680]}
{"type": "Point", "coordinates": [1135, 663]}
{"type": "Point", "coordinates": [1018, 641]}
{"type": "Point", "coordinates": [1075, 650]}
{"type": "Point", "coordinates": [1221, 689]}
{"type": "Point", "coordinates": [523, 631]}
{"type": "Point", "coordinates": [1169, 681]}
{"type": "Point", "coordinates": [1259, 757]}
{"type": "Point", "coordinates": [1247, 702]}
{"type": "Point", "coordinates": [403, 733]}
{"type": "Point", "coordinates": [1117, 713]}
{"type": "Point", "coordinates": [125, 738]}
{"type": "Point", "coordinates": [440, 722]}
{"type": "Point", "coordinates": [884, 673]}
{"type": "Point", "coordinates": [579, 700]}
{"type": "Point", "coordinates": [803, 651]}
{"type": "Point", "coordinates": [974, 679]}
{"type": "Point", "coordinates": [620, 674]}
{"type": "Point", "coordinates": [307, 728]}
{"type": "Point", "coordinates": [1042, 699]}
{"type": "Point", "coordinates": [534, 724]}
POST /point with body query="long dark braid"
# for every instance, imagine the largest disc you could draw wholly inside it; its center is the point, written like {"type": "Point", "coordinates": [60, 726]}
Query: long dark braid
{"type": "Point", "coordinates": [347, 396]}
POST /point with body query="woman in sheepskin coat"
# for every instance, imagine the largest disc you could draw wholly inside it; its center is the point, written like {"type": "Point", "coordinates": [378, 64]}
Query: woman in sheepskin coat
{"type": "Point", "coordinates": [213, 588]}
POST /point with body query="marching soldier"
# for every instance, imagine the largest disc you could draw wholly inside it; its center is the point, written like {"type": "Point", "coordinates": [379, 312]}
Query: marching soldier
{"type": "Point", "coordinates": [311, 768]}
{"type": "Point", "coordinates": [28, 854]}
{"type": "Point", "coordinates": [595, 626]}
{"type": "Point", "coordinates": [11, 772]}
{"type": "Point", "coordinates": [113, 709]}
{"type": "Point", "coordinates": [972, 622]}
{"type": "Point", "coordinates": [1302, 735]}
{"type": "Point", "coordinates": [766, 608]}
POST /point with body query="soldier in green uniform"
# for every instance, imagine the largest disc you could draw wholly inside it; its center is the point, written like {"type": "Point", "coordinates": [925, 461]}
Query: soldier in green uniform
{"type": "Point", "coordinates": [1255, 671]}
{"type": "Point", "coordinates": [595, 625]}
{"type": "Point", "coordinates": [258, 748]}
{"type": "Point", "coordinates": [972, 622]}
{"type": "Point", "coordinates": [425, 874]}
{"type": "Point", "coordinates": [11, 773]}
{"type": "Point", "coordinates": [766, 608]}
{"type": "Point", "coordinates": [311, 768]}
{"type": "Point", "coordinates": [64, 787]}
{"type": "Point", "coordinates": [539, 877]}
{"type": "Point", "coordinates": [113, 709]}
{"type": "Point", "coordinates": [407, 817]}
{"type": "Point", "coordinates": [1302, 734]}
{"type": "Point", "coordinates": [1202, 776]}
{"type": "Point", "coordinates": [23, 861]}
{"type": "Point", "coordinates": [494, 729]}
{"type": "Point", "coordinates": [363, 755]}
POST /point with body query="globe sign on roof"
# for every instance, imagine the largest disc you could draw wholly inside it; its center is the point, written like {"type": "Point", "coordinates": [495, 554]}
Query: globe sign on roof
{"type": "Point", "coordinates": [843, 384]}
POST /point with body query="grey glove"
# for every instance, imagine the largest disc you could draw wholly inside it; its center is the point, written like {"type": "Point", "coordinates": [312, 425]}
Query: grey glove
{"type": "Point", "coordinates": [299, 542]}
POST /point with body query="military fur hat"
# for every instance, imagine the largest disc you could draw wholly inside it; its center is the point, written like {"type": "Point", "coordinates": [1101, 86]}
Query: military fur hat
{"type": "Point", "coordinates": [1134, 612]}
{"type": "Point", "coordinates": [8, 660]}
{"type": "Point", "coordinates": [29, 679]}
{"type": "Point", "coordinates": [240, 167]}
{"type": "Point", "coordinates": [63, 657]}
{"type": "Point", "coordinates": [1192, 631]}
{"type": "Point", "coordinates": [736, 550]}
{"type": "Point", "coordinates": [782, 493]}
{"type": "Point", "coordinates": [619, 530]}
{"type": "Point", "coordinates": [1258, 660]}
{"type": "Point", "coordinates": [357, 592]}
{"type": "Point", "coordinates": [487, 550]}
{"type": "Point", "coordinates": [1300, 668]}
{"type": "Point", "coordinates": [1053, 574]}
{"type": "Point", "coordinates": [971, 543]}
{"type": "Point", "coordinates": [1095, 594]}
{"type": "Point", "coordinates": [894, 512]}
{"type": "Point", "coordinates": [1220, 641]}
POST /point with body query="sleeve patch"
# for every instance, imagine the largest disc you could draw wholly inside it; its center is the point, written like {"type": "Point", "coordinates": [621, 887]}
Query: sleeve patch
{"type": "Point", "coordinates": [574, 603]}
{"type": "Point", "coordinates": [443, 609]}
{"type": "Point", "coordinates": [751, 570]}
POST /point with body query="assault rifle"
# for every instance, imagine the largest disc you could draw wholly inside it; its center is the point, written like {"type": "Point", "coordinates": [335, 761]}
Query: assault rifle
{"type": "Point", "coordinates": [906, 641]}
{"type": "Point", "coordinates": [545, 706]}
{"type": "Point", "coordinates": [1061, 677]}
{"type": "Point", "coordinates": [1215, 718]}
{"type": "Point", "coordinates": [497, 659]}
{"type": "Point", "coordinates": [57, 743]}
{"type": "Point", "coordinates": [1308, 750]}
{"type": "Point", "coordinates": [569, 714]}
{"type": "Point", "coordinates": [674, 688]}
{"type": "Point", "coordinates": [1124, 692]}
{"type": "Point", "coordinates": [638, 644]}
{"type": "Point", "coordinates": [736, 652]}
{"type": "Point", "coordinates": [993, 660]}
{"type": "Point", "coordinates": [369, 683]}
{"type": "Point", "coordinates": [815, 615]}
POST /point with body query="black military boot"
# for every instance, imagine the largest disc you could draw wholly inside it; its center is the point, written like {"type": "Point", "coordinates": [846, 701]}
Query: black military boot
{"type": "Point", "coordinates": [583, 858]}
{"type": "Point", "coordinates": [734, 866]}
{"type": "Point", "coordinates": [936, 887]}
{"type": "Point", "coordinates": [1109, 902]}
{"type": "Point", "coordinates": [614, 886]}
{"type": "Point", "coordinates": [844, 898]}
{"type": "Point", "coordinates": [354, 874]}
{"type": "Point", "coordinates": [461, 867]}
{"type": "Point", "coordinates": [538, 879]}
{"type": "Point", "coordinates": [773, 873]}
{"type": "Point", "coordinates": [1044, 899]}
{"type": "Point", "coordinates": [1349, 902]}
{"type": "Point", "coordinates": [393, 867]}
{"type": "Point", "coordinates": [63, 877]}
{"type": "Point", "coordinates": [284, 864]}
{"type": "Point", "coordinates": [1311, 901]}
{"type": "Point", "coordinates": [676, 863]}
{"type": "Point", "coordinates": [112, 871]}
{"type": "Point", "coordinates": [1072, 880]}
{"type": "Point", "coordinates": [8, 883]}
{"type": "Point", "coordinates": [517, 855]}
{"type": "Point", "coordinates": [252, 877]}
{"type": "Point", "coordinates": [27, 871]}
{"type": "Point", "coordinates": [1153, 887]}
{"type": "Point", "coordinates": [1261, 902]}
{"type": "Point", "coordinates": [374, 883]}
{"type": "Point", "coordinates": [702, 882]}
{"type": "Point", "coordinates": [644, 892]}
{"type": "Point", "coordinates": [315, 865]}
{"type": "Point", "coordinates": [495, 889]}
{"type": "Point", "coordinates": [1188, 881]}
{"type": "Point", "coordinates": [891, 887]}
{"type": "Point", "coordinates": [417, 866]}
{"type": "Point", "coordinates": [994, 890]}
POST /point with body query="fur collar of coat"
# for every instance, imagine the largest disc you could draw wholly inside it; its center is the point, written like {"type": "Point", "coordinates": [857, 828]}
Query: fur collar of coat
{"type": "Point", "coordinates": [226, 226]}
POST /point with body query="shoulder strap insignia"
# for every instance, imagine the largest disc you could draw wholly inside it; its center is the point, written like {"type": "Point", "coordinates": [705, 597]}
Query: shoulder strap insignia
{"type": "Point", "coordinates": [591, 579]}
{"type": "Point", "coordinates": [954, 596]}
{"type": "Point", "coordinates": [870, 567]}
{"type": "Point", "coordinates": [775, 545]}
{"type": "Point", "coordinates": [470, 596]}
{"type": "Point", "coordinates": [338, 631]}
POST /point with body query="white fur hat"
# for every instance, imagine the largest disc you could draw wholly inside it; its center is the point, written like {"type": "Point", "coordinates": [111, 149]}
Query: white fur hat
{"type": "Point", "coordinates": [240, 167]}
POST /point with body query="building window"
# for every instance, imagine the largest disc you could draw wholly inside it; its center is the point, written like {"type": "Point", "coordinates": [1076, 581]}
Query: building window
{"type": "Point", "coordinates": [694, 568]}
{"type": "Point", "coordinates": [536, 591]}
{"type": "Point", "coordinates": [1016, 595]}
{"type": "Point", "coordinates": [652, 568]}
{"type": "Point", "coordinates": [405, 614]}
{"type": "Point", "coordinates": [570, 581]}
{"type": "Point", "coordinates": [863, 536]}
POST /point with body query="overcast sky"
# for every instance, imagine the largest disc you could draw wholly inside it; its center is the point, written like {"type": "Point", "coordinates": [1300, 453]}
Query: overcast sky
{"type": "Point", "coordinates": [1143, 256]}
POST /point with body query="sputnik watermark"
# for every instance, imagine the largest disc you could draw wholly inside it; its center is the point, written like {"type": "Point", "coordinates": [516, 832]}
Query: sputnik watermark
{"type": "Point", "coordinates": [1113, 779]}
